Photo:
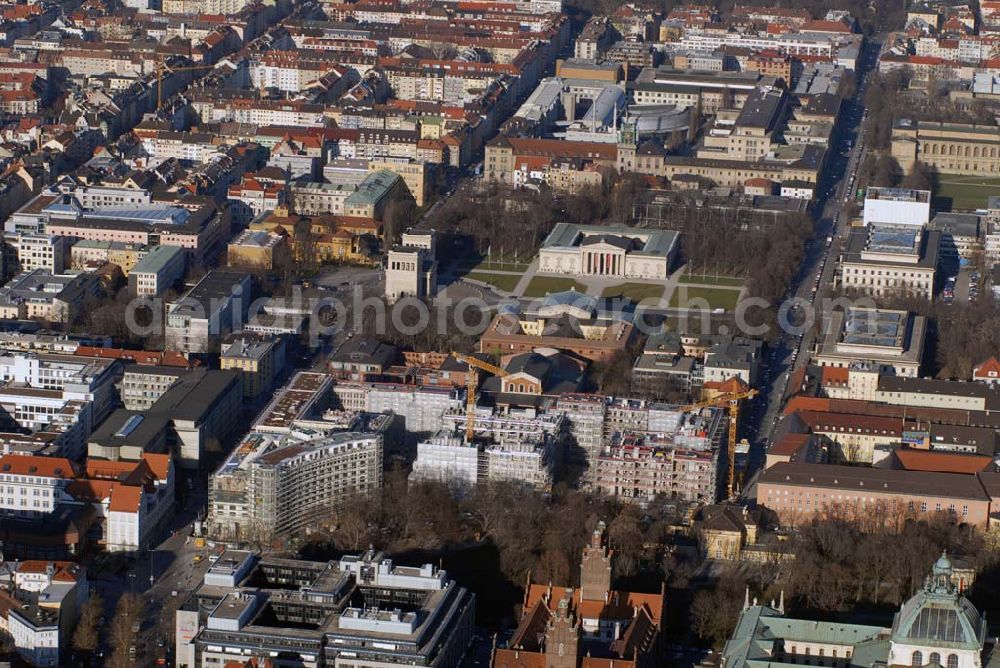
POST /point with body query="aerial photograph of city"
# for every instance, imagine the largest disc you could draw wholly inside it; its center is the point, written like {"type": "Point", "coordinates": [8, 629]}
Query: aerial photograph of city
{"type": "Point", "coordinates": [500, 333]}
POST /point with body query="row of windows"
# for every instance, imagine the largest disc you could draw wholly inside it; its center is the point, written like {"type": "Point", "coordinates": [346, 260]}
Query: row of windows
{"type": "Point", "coordinates": [934, 659]}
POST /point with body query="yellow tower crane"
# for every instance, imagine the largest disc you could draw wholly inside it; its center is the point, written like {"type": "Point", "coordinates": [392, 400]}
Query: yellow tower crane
{"type": "Point", "coordinates": [732, 399]}
{"type": "Point", "coordinates": [471, 383]}
{"type": "Point", "coordinates": [161, 68]}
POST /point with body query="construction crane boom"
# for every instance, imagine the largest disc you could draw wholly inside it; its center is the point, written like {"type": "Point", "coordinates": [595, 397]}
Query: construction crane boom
{"type": "Point", "coordinates": [732, 400]}
{"type": "Point", "coordinates": [471, 383]}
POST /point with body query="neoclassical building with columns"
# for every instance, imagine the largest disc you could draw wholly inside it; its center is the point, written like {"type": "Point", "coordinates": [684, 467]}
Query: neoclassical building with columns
{"type": "Point", "coordinates": [614, 251]}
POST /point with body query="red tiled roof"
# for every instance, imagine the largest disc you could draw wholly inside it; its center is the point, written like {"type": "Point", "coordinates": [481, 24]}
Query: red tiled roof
{"type": "Point", "coordinates": [988, 369]}
{"type": "Point", "coordinates": [806, 403]}
{"type": "Point", "coordinates": [832, 375]}
{"type": "Point", "coordinates": [125, 499]}
{"type": "Point", "coordinates": [620, 604]}
{"type": "Point", "coordinates": [789, 444]}
{"type": "Point", "coordinates": [853, 423]}
{"type": "Point", "coordinates": [158, 464]}
{"type": "Point", "coordinates": [49, 467]}
{"type": "Point", "coordinates": [820, 25]}
{"type": "Point", "coordinates": [941, 462]}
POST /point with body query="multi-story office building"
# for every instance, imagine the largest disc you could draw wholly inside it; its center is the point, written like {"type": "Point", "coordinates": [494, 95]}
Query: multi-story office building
{"type": "Point", "coordinates": [797, 492]}
{"type": "Point", "coordinates": [160, 270]}
{"type": "Point", "coordinates": [584, 415]}
{"type": "Point", "coordinates": [297, 462]}
{"type": "Point", "coordinates": [54, 400]}
{"type": "Point", "coordinates": [891, 260]}
{"type": "Point", "coordinates": [281, 484]}
{"type": "Point", "coordinates": [209, 311]}
{"type": "Point", "coordinates": [142, 385]}
{"type": "Point", "coordinates": [200, 408]}
{"type": "Point", "coordinates": [199, 227]}
{"type": "Point", "coordinates": [422, 408]}
{"type": "Point", "coordinates": [358, 611]}
{"type": "Point", "coordinates": [448, 457]}
{"type": "Point", "coordinates": [891, 340]}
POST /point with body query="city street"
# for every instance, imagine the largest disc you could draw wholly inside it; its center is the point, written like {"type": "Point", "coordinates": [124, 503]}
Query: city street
{"type": "Point", "coordinates": [814, 281]}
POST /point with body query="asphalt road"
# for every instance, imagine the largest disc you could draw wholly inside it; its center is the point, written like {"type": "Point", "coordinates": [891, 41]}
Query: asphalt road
{"type": "Point", "coordinates": [815, 278]}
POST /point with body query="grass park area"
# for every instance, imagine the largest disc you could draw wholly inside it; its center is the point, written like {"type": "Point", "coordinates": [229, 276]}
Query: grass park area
{"type": "Point", "coordinates": [699, 279]}
{"type": "Point", "coordinates": [965, 192]}
{"type": "Point", "coordinates": [505, 282]}
{"type": "Point", "coordinates": [716, 297]}
{"type": "Point", "coordinates": [501, 266]}
{"type": "Point", "coordinates": [636, 292]}
{"type": "Point", "coordinates": [543, 285]}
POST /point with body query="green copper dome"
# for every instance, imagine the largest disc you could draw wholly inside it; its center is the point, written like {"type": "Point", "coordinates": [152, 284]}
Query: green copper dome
{"type": "Point", "coordinates": [939, 615]}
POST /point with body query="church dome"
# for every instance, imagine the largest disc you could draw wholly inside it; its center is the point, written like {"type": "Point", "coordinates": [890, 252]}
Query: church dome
{"type": "Point", "coordinates": [939, 616]}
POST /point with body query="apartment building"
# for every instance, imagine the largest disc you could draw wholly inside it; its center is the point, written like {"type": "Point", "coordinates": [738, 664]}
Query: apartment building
{"type": "Point", "coordinates": [355, 602]}
{"type": "Point", "coordinates": [40, 602]}
{"type": "Point", "coordinates": [88, 253]}
{"type": "Point", "coordinates": [216, 306]}
{"type": "Point", "coordinates": [296, 71]}
{"type": "Point", "coordinates": [246, 107]}
{"type": "Point", "coordinates": [161, 269]}
{"type": "Point", "coordinates": [128, 499]}
{"type": "Point", "coordinates": [634, 471]}
{"type": "Point", "coordinates": [258, 361]}
{"type": "Point", "coordinates": [253, 196]}
{"type": "Point", "coordinates": [39, 251]}
{"type": "Point", "coordinates": [40, 295]}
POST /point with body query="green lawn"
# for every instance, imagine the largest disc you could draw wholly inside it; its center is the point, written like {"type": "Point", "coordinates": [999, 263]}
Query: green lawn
{"type": "Point", "coordinates": [506, 282]}
{"type": "Point", "coordinates": [635, 291]}
{"type": "Point", "coordinates": [716, 297]}
{"type": "Point", "coordinates": [543, 285]}
{"type": "Point", "coordinates": [699, 279]}
{"type": "Point", "coordinates": [966, 192]}
{"type": "Point", "coordinates": [501, 265]}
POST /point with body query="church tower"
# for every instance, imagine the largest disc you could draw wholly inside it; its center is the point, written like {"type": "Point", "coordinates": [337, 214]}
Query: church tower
{"type": "Point", "coordinates": [595, 568]}
{"type": "Point", "coordinates": [562, 637]}
{"type": "Point", "coordinates": [627, 146]}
